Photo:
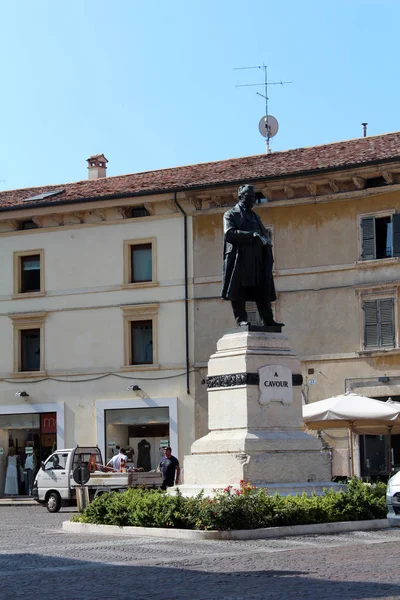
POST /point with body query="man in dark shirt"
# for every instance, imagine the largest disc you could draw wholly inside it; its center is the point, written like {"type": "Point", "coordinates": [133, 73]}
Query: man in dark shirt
{"type": "Point", "coordinates": [170, 469]}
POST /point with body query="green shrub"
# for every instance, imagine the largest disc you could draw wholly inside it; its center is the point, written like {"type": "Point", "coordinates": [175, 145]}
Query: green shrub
{"type": "Point", "coordinates": [244, 508]}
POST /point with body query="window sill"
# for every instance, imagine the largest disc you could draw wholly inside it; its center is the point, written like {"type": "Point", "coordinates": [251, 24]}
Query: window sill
{"type": "Point", "coordinates": [127, 368]}
{"type": "Point", "coordinates": [22, 295]}
{"type": "Point", "coordinates": [139, 284]}
{"type": "Point", "coordinates": [28, 374]}
{"type": "Point", "coordinates": [377, 262]}
{"type": "Point", "coordinates": [378, 352]}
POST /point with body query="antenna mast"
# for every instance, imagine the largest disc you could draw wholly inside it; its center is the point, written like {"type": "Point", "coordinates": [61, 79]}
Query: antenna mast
{"type": "Point", "coordinates": [268, 125]}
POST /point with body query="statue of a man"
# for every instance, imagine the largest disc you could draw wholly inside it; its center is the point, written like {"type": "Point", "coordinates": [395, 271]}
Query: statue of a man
{"type": "Point", "coordinates": [248, 260]}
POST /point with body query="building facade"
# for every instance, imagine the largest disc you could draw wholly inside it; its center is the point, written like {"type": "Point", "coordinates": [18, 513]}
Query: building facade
{"type": "Point", "coordinates": [92, 330]}
{"type": "Point", "coordinates": [110, 296]}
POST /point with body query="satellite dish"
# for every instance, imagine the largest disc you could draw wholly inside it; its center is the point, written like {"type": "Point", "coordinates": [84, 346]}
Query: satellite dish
{"type": "Point", "coordinates": [268, 126]}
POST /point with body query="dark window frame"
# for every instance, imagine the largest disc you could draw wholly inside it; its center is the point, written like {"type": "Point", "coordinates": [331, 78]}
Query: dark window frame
{"type": "Point", "coordinates": [137, 212]}
{"type": "Point", "coordinates": [373, 236]}
{"type": "Point", "coordinates": [24, 286]}
{"type": "Point", "coordinates": [27, 225]}
{"type": "Point", "coordinates": [132, 324]}
{"type": "Point", "coordinates": [26, 366]}
{"type": "Point", "coordinates": [132, 250]}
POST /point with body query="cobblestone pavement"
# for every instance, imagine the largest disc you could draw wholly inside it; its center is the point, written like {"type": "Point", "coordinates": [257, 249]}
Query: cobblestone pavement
{"type": "Point", "coordinates": [40, 561]}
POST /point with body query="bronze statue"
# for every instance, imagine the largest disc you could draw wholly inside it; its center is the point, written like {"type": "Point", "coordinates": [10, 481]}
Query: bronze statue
{"type": "Point", "coordinates": [248, 260]}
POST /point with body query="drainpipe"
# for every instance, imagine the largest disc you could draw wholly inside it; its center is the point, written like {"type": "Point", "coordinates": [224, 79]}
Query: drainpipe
{"type": "Point", "coordinates": [185, 252]}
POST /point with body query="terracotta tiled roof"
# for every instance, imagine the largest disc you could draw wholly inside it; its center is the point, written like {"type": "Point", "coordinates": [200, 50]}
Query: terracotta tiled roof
{"type": "Point", "coordinates": [252, 168]}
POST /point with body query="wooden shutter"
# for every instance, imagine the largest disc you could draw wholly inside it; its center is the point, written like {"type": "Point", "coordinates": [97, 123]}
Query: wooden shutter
{"type": "Point", "coordinates": [386, 321]}
{"type": "Point", "coordinates": [371, 338]}
{"type": "Point", "coordinates": [368, 238]}
{"type": "Point", "coordinates": [396, 234]}
{"type": "Point", "coordinates": [379, 323]}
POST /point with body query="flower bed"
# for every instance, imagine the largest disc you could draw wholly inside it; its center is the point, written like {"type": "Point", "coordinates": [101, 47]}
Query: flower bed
{"type": "Point", "coordinates": [244, 508]}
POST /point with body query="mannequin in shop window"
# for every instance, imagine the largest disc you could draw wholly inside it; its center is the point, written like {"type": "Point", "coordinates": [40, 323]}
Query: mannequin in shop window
{"type": "Point", "coordinates": [29, 472]}
{"type": "Point", "coordinates": [144, 460]}
{"type": "Point", "coordinates": [11, 486]}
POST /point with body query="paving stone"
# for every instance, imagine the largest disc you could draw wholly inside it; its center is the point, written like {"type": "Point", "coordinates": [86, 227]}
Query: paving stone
{"type": "Point", "coordinates": [40, 561]}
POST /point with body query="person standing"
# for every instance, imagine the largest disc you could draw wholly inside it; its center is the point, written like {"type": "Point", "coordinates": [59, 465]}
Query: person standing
{"type": "Point", "coordinates": [29, 472]}
{"type": "Point", "coordinates": [170, 469]}
{"type": "Point", "coordinates": [115, 461]}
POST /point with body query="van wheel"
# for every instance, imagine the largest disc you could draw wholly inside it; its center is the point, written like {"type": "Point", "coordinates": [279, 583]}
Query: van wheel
{"type": "Point", "coordinates": [53, 503]}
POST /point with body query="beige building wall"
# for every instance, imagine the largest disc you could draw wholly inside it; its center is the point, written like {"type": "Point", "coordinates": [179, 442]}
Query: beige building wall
{"type": "Point", "coordinates": [83, 303]}
{"type": "Point", "coordinates": [319, 275]}
{"type": "Point", "coordinates": [320, 279]}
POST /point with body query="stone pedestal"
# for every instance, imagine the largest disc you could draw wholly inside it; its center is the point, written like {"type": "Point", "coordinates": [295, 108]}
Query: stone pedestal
{"type": "Point", "coordinates": [255, 420]}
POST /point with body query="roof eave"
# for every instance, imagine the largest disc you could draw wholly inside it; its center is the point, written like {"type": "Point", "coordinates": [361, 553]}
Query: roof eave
{"type": "Point", "coordinates": [187, 188]}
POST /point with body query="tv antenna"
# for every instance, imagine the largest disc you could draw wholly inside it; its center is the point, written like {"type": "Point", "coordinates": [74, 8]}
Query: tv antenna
{"type": "Point", "coordinates": [268, 125]}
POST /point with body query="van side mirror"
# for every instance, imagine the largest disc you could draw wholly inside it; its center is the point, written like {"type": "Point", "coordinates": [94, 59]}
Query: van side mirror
{"type": "Point", "coordinates": [42, 465]}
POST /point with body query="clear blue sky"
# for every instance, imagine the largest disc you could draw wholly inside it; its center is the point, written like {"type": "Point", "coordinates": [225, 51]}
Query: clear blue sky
{"type": "Point", "coordinates": [152, 84]}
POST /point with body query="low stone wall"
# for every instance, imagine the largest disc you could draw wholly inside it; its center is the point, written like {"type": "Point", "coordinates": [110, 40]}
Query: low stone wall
{"type": "Point", "coordinates": [244, 534]}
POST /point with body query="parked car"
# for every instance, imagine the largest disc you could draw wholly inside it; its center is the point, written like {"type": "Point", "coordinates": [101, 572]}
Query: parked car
{"type": "Point", "coordinates": [393, 500]}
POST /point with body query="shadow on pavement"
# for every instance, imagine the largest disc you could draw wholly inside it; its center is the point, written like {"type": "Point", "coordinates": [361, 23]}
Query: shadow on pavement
{"type": "Point", "coordinates": [35, 576]}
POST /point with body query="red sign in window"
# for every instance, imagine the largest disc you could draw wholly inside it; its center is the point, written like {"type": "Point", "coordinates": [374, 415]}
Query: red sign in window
{"type": "Point", "coordinates": [48, 422]}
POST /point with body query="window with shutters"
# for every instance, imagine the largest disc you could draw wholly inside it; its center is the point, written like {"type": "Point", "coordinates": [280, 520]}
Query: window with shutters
{"type": "Point", "coordinates": [380, 236]}
{"type": "Point", "coordinates": [379, 323]}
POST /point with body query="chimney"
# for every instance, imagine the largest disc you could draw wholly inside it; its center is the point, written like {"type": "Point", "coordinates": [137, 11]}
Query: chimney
{"type": "Point", "coordinates": [97, 166]}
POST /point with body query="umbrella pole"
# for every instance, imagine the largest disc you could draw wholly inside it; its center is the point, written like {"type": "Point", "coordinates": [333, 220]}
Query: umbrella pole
{"type": "Point", "coordinates": [390, 452]}
{"type": "Point", "coordinates": [351, 450]}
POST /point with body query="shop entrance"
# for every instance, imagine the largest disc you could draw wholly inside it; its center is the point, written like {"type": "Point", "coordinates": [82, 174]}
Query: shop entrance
{"type": "Point", "coordinates": [142, 432]}
{"type": "Point", "coordinates": [25, 441]}
{"type": "Point", "coordinates": [374, 453]}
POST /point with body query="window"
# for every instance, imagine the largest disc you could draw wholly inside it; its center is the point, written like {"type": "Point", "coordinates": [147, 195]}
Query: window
{"type": "Point", "coordinates": [57, 461]}
{"type": "Point", "coordinates": [260, 198]}
{"type": "Point", "coordinates": [135, 212]}
{"type": "Point", "coordinates": [253, 314]}
{"type": "Point", "coordinates": [140, 336]}
{"type": "Point", "coordinates": [28, 225]}
{"type": "Point", "coordinates": [28, 342]}
{"type": "Point", "coordinates": [140, 263]}
{"type": "Point", "coordinates": [372, 182]}
{"type": "Point", "coordinates": [142, 342]}
{"type": "Point", "coordinates": [28, 273]}
{"type": "Point", "coordinates": [379, 327]}
{"type": "Point", "coordinates": [380, 236]}
{"type": "Point", "coordinates": [30, 349]}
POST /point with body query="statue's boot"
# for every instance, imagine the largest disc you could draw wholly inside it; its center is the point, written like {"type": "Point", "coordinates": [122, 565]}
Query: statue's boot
{"type": "Point", "coordinates": [267, 316]}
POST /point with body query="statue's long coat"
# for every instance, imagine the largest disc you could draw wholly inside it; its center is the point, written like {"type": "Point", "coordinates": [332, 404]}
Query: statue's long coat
{"type": "Point", "coordinates": [238, 232]}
